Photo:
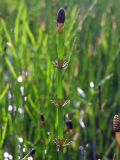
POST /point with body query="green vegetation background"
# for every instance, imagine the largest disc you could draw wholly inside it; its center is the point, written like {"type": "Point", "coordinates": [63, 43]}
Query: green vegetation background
{"type": "Point", "coordinates": [27, 50]}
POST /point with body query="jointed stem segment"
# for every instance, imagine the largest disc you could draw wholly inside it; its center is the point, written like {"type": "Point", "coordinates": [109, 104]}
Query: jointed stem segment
{"type": "Point", "coordinates": [60, 45]}
{"type": "Point", "coordinates": [60, 51]}
{"type": "Point", "coordinates": [59, 85]}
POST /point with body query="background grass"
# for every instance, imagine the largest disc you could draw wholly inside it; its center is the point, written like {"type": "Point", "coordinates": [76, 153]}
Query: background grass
{"type": "Point", "coordinates": [27, 50]}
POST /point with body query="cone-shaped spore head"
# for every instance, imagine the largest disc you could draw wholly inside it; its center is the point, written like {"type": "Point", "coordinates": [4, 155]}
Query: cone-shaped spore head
{"type": "Point", "coordinates": [61, 16]}
{"type": "Point", "coordinates": [42, 119]}
{"type": "Point", "coordinates": [32, 151]}
{"type": "Point", "coordinates": [69, 124]}
{"type": "Point", "coordinates": [116, 124]}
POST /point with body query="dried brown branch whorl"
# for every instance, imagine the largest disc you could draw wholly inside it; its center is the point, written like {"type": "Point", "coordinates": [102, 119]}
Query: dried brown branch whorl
{"type": "Point", "coordinates": [61, 143]}
{"type": "Point", "coordinates": [60, 102]}
{"type": "Point", "coordinates": [60, 64]}
{"type": "Point", "coordinates": [116, 124]}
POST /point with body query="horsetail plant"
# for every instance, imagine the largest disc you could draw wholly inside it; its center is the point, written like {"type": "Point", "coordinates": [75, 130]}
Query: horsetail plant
{"type": "Point", "coordinates": [60, 102]}
{"type": "Point", "coordinates": [116, 128]}
{"type": "Point", "coordinates": [31, 153]}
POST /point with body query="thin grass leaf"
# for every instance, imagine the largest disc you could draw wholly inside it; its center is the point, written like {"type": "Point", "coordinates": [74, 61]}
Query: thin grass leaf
{"type": "Point", "coordinates": [8, 38]}
{"type": "Point", "coordinates": [11, 67]}
{"type": "Point", "coordinates": [4, 92]}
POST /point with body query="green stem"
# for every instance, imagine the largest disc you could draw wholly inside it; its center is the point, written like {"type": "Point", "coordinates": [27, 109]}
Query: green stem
{"type": "Point", "coordinates": [60, 110]}
{"type": "Point", "coordinates": [59, 87]}
{"type": "Point", "coordinates": [61, 155]}
{"type": "Point", "coordinates": [25, 158]}
{"type": "Point", "coordinates": [60, 120]}
{"type": "Point", "coordinates": [60, 50]}
{"type": "Point", "coordinates": [60, 45]}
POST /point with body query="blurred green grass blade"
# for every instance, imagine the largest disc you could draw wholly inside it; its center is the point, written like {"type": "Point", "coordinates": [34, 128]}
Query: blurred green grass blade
{"type": "Point", "coordinates": [87, 14]}
{"type": "Point", "coordinates": [11, 67]}
{"type": "Point", "coordinates": [17, 22]}
{"type": "Point", "coordinates": [29, 113]}
{"type": "Point", "coordinates": [8, 38]}
{"type": "Point", "coordinates": [30, 35]}
{"type": "Point", "coordinates": [10, 123]}
{"type": "Point", "coordinates": [4, 132]}
{"type": "Point", "coordinates": [74, 16]}
{"type": "Point", "coordinates": [110, 148]}
{"type": "Point", "coordinates": [4, 92]}
{"type": "Point", "coordinates": [114, 58]}
{"type": "Point", "coordinates": [32, 103]}
{"type": "Point", "coordinates": [108, 77]}
{"type": "Point", "coordinates": [45, 42]}
{"type": "Point", "coordinates": [39, 40]}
